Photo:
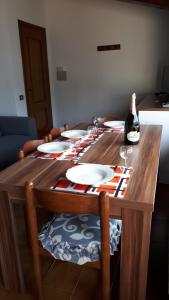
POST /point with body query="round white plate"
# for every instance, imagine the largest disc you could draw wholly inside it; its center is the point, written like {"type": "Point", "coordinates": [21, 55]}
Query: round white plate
{"type": "Point", "coordinates": [90, 174]}
{"type": "Point", "coordinates": [114, 124]}
{"type": "Point", "coordinates": [54, 147]}
{"type": "Point", "coordinates": [74, 133]}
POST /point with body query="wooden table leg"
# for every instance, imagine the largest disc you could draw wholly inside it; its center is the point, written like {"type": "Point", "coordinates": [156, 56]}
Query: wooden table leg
{"type": "Point", "coordinates": [11, 270]}
{"type": "Point", "coordinates": [134, 254]}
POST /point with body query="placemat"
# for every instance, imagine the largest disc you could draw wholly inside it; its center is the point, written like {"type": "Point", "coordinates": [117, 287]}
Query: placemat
{"type": "Point", "coordinates": [75, 152]}
{"type": "Point", "coordinates": [116, 187]}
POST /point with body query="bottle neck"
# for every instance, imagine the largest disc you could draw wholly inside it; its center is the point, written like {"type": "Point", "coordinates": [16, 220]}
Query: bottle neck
{"type": "Point", "coordinates": [133, 106]}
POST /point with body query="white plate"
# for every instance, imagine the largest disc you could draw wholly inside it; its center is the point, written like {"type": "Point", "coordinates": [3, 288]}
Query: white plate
{"type": "Point", "coordinates": [115, 124]}
{"type": "Point", "coordinates": [74, 133]}
{"type": "Point", "coordinates": [90, 174]}
{"type": "Point", "coordinates": [54, 147]}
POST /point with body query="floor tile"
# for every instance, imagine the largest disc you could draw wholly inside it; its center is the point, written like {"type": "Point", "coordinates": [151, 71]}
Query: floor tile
{"type": "Point", "coordinates": [63, 277]}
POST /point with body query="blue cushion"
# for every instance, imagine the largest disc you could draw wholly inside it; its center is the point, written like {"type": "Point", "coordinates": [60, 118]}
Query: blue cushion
{"type": "Point", "coordinates": [9, 144]}
{"type": "Point", "coordinates": [76, 238]}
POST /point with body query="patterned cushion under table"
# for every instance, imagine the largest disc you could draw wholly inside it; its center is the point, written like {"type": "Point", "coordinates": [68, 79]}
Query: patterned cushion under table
{"type": "Point", "coordinates": [76, 238]}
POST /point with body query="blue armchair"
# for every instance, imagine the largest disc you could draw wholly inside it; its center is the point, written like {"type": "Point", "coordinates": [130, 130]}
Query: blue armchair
{"type": "Point", "coordinates": [14, 132]}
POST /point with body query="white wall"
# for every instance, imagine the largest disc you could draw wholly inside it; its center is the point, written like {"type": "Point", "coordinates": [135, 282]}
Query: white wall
{"type": "Point", "coordinates": [100, 83]}
{"type": "Point", "coordinates": [11, 74]}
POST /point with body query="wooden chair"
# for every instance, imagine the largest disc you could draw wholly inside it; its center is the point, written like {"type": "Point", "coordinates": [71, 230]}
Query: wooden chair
{"type": "Point", "coordinates": [62, 202]}
{"type": "Point", "coordinates": [55, 132]}
{"type": "Point", "coordinates": [30, 146]}
{"type": "Point", "coordinates": [101, 120]}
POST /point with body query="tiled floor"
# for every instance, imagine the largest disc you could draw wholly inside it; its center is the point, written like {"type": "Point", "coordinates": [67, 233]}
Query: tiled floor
{"type": "Point", "coordinates": [65, 281]}
{"type": "Point", "coordinates": [4, 295]}
{"type": "Point", "coordinates": [158, 259]}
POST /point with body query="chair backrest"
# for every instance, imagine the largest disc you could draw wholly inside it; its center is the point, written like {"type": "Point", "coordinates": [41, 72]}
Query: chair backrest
{"type": "Point", "coordinates": [101, 120]}
{"type": "Point", "coordinates": [69, 203]}
{"type": "Point", "coordinates": [30, 146]}
{"type": "Point", "coordinates": [55, 132]}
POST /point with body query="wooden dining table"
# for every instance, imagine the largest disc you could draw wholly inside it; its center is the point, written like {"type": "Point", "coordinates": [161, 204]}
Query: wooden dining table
{"type": "Point", "coordinates": [135, 209]}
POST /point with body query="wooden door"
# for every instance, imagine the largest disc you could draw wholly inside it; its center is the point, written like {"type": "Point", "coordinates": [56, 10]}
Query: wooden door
{"type": "Point", "coordinates": [36, 75]}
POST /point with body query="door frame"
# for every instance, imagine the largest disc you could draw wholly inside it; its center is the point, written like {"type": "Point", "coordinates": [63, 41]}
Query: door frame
{"type": "Point", "coordinates": [33, 26]}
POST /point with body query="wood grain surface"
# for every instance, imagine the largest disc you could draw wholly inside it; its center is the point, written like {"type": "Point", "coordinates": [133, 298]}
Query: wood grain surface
{"type": "Point", "coordinates": [135, 209]}
{"type": "Point", "coordinates": [151, 103]}
{"type": "Point", "coordinates": [144, 161]}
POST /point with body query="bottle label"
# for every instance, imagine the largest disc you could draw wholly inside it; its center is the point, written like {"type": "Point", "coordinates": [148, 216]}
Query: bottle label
{"type": "Point", "coordinates": [133, 136]}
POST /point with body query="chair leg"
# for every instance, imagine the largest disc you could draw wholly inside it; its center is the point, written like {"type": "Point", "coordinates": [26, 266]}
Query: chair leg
{"type": "Point", "coordinates": [105, 289]}
{"type": "Point", "coordinates": [33, 231]}
{"type": "Point", "coordinates": [38, 289]}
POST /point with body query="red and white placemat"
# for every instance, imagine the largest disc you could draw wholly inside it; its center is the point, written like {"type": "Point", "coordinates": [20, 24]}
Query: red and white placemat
{"type": "Point", "coordinates": [116, 187]}
{"type": "Point", "coordinates": [75, 152]}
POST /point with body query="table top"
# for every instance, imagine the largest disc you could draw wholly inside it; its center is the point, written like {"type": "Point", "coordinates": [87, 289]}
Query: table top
{"type": "Point", "coordinates": [144, 160]}
{"type": "Point", "coordinates": [151, 103]}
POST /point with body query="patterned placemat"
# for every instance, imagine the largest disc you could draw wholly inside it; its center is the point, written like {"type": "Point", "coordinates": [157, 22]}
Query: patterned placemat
{"type": "Point", "coordinates": [75, 152]}
{"type": "Point", "coordinates": [116, 187]}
